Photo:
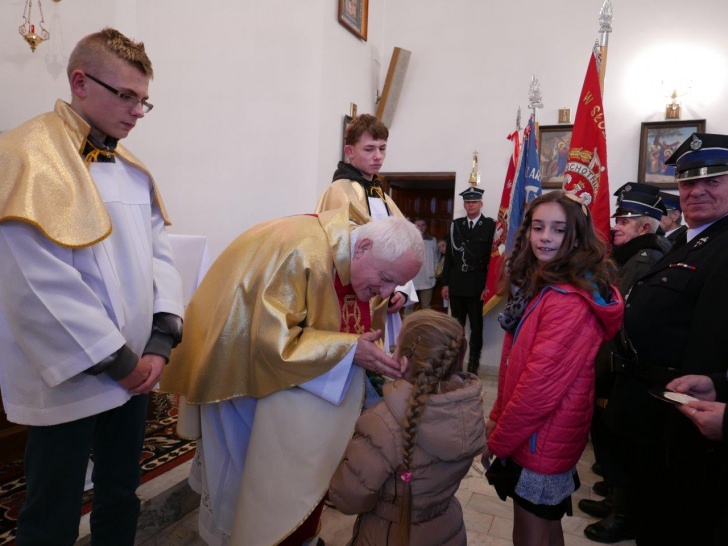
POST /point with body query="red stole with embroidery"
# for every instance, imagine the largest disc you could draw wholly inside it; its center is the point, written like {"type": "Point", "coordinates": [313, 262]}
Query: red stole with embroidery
{"type": "Point", "coordinates": [356, 316]}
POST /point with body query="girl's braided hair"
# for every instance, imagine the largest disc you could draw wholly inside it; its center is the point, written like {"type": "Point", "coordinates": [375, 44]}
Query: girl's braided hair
{"type": "Point", "coordinates": [435, 344]}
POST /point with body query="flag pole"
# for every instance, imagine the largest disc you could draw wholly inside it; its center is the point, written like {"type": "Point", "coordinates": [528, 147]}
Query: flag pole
{"type": "Point", "coordinates": [535, 100]}
{"type": "Point", "coordinates": [605, 27]}
{"type": "Point", "coordinates": [498, 247]}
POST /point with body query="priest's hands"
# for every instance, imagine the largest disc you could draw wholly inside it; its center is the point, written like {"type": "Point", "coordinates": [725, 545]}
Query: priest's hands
{"type": "Point", "coordinates": [145, 375]}
{"type": "Point", "coordinates": [396, 302]}
{"type": "Point", "coordinates": [369, 356]}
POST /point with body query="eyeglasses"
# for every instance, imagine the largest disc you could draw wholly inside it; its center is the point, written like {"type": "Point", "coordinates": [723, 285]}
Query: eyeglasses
{"type": "Point", "coordinates": [129, 100]}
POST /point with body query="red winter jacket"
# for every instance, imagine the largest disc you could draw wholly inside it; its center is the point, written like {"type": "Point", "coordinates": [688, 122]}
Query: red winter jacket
{"type": "Point", "coordinates": [546, 380]}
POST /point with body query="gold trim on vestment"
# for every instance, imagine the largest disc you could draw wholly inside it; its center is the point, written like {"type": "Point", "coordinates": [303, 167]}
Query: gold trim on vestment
{"type": "Point", "coordinates": [46, 183]}
{"type": "Point", "coordinates": [344, 192]}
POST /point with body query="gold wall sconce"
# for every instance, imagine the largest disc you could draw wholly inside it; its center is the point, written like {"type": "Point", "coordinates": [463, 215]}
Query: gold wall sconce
{"type": "Point", "coordinates": [34, 34]}
{"type": "Point", "coordinates": [672, 109]}
{"type": "Point", "coordinates": [675, 89]}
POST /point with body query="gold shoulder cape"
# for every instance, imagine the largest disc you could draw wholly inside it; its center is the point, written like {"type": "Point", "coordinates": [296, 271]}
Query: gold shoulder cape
{"type": "Point", "coordinates": [266, 316]}
{"type": "Point", "coordinates": [344, 191]}
{"type": "Point", "coordinates": [46, 183]}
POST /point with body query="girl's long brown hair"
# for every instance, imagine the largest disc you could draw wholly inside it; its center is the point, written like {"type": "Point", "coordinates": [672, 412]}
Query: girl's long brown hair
{"type": "Point", "coordinates": [581, 261]}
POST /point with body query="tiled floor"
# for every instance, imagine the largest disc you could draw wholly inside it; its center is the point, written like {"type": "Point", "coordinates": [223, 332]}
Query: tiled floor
{"type": "Point", "coordinates": [488, 520]}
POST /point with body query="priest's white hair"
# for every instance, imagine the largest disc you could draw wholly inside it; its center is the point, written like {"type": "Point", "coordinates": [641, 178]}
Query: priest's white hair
{"type": "Point", "coordinates": [392, 237]}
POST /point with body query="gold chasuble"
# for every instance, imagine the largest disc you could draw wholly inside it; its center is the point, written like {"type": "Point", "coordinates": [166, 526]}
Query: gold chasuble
{"type": "Point", "coordinates": [46, 183]}
{"type": "Point", "coordinates": [266, 317]}
{"type": "Point", "coordinates": [273, 312]}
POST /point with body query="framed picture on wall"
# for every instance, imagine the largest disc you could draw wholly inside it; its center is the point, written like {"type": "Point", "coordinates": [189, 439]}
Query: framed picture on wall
{"type": "Point", "coordinates": [658, 139]}
{"type": "Point", "coordinates": [354, 15]}
{"type": "Point", "coordinates": [554, 142]}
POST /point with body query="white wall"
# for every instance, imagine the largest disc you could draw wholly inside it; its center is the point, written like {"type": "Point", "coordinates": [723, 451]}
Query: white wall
{"type": "Point", "coordinates": [472, 62]}
{"type": "Point", "coordinates": [249, 98]}
{"type": "Point", "coordinates": [249, 95]}
{"type": "Point", "coordinates": [471, 66]}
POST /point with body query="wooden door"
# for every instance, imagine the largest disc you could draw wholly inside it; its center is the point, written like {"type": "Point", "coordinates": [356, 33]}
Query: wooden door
{"type": "Point", "coordinates": [429, 196]}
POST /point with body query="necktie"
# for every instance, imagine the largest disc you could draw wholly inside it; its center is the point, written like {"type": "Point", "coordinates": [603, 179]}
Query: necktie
{"type": "Point", "coordinates": [470, 222]}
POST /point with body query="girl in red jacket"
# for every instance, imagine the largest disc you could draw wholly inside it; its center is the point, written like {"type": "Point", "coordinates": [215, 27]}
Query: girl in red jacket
{"type": "Point", "coordinates": [561, 307]}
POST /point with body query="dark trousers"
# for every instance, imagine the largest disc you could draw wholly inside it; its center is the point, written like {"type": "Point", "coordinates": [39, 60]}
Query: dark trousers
{"type": "Point", "coordinates": [471, 308]}
{"type": "Point", "coordinates": [610, 452]}
{"type": "Point", "coordinates": [56, 458]}
{"type": "Point", "coordinates": [678, 478]}
{"type": "Point", "coordinates": [679, 500]}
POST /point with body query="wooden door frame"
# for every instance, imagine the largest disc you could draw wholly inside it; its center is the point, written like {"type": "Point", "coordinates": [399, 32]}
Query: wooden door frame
{"type": "Point", "coordinates": [410, 181]}
{"type": "Point", "coordinates": [430, 180]}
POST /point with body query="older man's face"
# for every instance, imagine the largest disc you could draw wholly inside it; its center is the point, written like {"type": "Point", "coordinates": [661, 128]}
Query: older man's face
{"type": "Point", "coordinates": [373, 276]}
{"type": "Point", "coordinates": [627, 228]}
{"type": "Point", "coordinates": [704, 201]}
{"type": "Point", "coordinates": [669, 221]}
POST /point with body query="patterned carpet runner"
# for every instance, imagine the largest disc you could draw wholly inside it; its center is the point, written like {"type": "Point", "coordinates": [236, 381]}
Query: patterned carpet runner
{"type": "Point", "coordinates": [162, 451]}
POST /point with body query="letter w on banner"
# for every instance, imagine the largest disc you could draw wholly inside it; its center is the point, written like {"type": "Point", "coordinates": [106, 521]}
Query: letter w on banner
{"type": "Point", "coordinates": [586, 173]}
{"type": "Point", "coordinates": [515, 196]}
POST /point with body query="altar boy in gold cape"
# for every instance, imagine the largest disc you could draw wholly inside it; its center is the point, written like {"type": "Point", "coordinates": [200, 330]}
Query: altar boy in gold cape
{"type": "Point", "coordinates": [276, 340]}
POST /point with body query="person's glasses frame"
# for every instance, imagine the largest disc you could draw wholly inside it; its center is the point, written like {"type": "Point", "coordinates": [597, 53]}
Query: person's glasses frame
{"type": "Point", "coordinates": [130, 100]}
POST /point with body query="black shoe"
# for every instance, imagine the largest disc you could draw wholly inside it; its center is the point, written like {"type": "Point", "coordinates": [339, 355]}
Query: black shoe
{"type": "Point", "coordinates": [598, 509]}
{"type": "Point", "coordinates": [614, 528]}
{"type": "Point", "coordinates": [473, 368]}
{"type": "Point", "coordinates": [597, 469]}
{"type": "Point", "coordinates": [600, 488]}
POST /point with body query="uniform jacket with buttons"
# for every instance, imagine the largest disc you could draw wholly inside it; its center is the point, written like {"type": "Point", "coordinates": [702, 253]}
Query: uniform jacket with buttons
{"type": "Point", "coordinates": [684, 298]}
{"type": "Point", "coordinates": [636, 257]}
{"type": "Point", "coordinates": [467, 256]}
{"type": "Point", "coordinates": [675, 318]}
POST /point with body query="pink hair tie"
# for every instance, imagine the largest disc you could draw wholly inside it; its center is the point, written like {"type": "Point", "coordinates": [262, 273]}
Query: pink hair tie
{"type": "Point", "coordinates": [406, 476]}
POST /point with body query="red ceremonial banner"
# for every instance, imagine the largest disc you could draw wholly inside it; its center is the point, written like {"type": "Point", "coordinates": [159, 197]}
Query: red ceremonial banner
{"type": "Point", "coordinates": [498, 249]}
{"type": "Point", "coordinates": [586, 173]}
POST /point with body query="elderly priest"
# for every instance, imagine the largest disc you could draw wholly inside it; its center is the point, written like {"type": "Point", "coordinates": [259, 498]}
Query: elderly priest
{"type": "Point", "coordinates": [277, 339]}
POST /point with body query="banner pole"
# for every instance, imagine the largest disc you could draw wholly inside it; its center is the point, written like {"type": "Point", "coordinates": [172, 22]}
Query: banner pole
{"type": "Point", "coordinates": [605, 27]}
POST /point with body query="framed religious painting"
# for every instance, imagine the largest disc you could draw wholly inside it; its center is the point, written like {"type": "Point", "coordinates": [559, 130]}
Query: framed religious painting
{"type": "Point", "coordinates": [354, 15]}
{"type": "Point", "coordinates": [554, 142]}
{"type": "Point", "coordinates": [658, 139]}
